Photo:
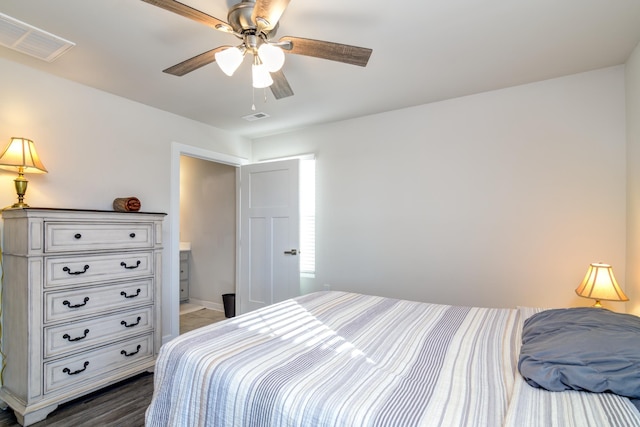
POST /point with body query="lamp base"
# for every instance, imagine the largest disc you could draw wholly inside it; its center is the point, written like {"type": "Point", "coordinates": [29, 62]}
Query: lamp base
{"type": "Point", "coordinates": [597, 304]}
{"type": "Point", "coordinates": [21, 188]}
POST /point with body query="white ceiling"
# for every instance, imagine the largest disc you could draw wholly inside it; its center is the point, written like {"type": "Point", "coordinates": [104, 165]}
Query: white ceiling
{"type": "Point", "coordinates": [423, 51]}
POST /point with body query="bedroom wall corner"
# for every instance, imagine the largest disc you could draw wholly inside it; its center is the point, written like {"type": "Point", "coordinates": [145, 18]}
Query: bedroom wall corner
{"type": "Point", "coordinates": [632, 89]}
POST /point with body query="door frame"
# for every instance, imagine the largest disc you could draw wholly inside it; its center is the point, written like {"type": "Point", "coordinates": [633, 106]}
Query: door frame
{"type": "Point", "coordinates": [171, 297]}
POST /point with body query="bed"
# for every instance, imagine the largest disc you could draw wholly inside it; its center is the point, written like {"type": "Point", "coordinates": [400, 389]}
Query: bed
{"type": "Point", "coordinates": [345, 359]}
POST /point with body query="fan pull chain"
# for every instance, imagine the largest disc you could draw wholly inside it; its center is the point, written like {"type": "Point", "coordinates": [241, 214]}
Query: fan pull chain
{"type": "Point", "coordinates": [253, 98]}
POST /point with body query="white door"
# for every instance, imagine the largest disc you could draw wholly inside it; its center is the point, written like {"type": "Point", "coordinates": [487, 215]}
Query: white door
{"type": "Point", "coordinates": [269, 234]}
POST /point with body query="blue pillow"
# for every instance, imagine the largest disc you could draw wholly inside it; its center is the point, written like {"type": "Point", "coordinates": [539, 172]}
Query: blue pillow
{"type": "Point", "coordinates": [589, 349]}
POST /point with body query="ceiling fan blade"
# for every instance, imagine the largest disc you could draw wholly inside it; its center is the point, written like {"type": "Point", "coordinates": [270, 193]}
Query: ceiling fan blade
{"type": "Point", "coordinates": [191, 13]}
{"type": "Point", "coordinates": [327, 50]}
{"type": "Point", "coordinates": [280, 87]}
{"type": "Point", "coordinates": [194, 63]}
{"type": "Point", "coordinates": [270, 11]}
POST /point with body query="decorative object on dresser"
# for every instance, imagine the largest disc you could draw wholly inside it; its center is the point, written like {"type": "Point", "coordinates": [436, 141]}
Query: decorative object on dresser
{"type": "Point", "coordinates": [600, 283]}
{"type": "Point", "coordinates": [21, 155]}
{"type": "Point", "coordinates": [126, 204]}
{"type": "Point", "coordinates": [81, 303]}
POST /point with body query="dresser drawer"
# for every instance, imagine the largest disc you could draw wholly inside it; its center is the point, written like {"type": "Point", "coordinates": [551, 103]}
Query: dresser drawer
{"type": "Point", "coordinates": [104, 361]}
{"type": "Point", "coordinates": [83, 302]}
{"type": "Point", "coordinates": [78, 236]}
{"type": "Point", "coordinates": [62, 271]}
{"type": "Point", "coordinates": [81, 335]}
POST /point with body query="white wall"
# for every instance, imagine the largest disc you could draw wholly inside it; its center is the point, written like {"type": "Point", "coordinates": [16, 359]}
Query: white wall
{"type": "Point", "coordinates": [97, 146]}
{"type": "Point", "coordinates": [208, 222]}
{"type": "Point", "coordinates": [632, 74]}
{"type": "Point", "coordinates": [497, 199]}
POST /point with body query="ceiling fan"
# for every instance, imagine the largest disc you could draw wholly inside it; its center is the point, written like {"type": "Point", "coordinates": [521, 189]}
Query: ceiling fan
{"type": "Point", "coordinates": [255, 22]}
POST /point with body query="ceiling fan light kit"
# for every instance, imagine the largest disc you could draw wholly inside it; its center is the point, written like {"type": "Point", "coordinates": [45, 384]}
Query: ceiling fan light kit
{"type": "Point", "coordinates": [266, 59]}
{"type": "Point", "coordinates": [255, 22]}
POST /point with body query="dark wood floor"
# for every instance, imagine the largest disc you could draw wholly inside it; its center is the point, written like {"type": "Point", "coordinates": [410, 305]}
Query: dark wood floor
{"type": "Point", "coordinates": [120, 405]}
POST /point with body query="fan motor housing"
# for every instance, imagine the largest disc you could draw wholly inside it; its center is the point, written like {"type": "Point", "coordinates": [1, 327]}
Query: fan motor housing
{"type": "Point", "coordinates": [239, 17]}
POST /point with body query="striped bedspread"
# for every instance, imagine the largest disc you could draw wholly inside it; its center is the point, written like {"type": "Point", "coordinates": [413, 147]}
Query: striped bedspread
{"type": "Point", "coordinates": [341, 359]}
{"type": "Point", "coordinates": [534, 407]}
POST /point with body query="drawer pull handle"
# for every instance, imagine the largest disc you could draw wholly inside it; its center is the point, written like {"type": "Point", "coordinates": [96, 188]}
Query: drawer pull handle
{"type": "Point", "coordinates": [124, 294]}
{"type": "Point", "coordinates": [132, 235]}
{"type": "Point", "coordinates": [131, 354]}
{"type": "Point", "coordinates": [130, 267]}
{"type": "Point", "coordinates": [68, 371]}
{"type": "Point", "coordinates": [77, 235]}
{"type": "Point", "coordinates": [124, 323]}
{"type": "Point", "coordinates": [67, 303]}
{"type": "Point", "coordinates": [68, 338]}
{"type": "Point", "coordinates": [75, 273]}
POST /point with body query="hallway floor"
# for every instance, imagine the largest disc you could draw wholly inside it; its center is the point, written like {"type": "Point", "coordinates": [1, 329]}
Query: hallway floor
{"type": "Point", "coordinates": [199, 318]}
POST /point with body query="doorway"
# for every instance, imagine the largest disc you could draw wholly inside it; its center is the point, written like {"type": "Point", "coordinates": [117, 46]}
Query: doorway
{"type": "Point", "coordinates": [207, 240]}
{"type": "Point", "coordinates": [171, 292]}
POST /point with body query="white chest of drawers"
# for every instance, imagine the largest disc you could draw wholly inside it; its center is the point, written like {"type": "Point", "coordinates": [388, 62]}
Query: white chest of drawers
{"type": "Point", "coordinates": [81, 298]}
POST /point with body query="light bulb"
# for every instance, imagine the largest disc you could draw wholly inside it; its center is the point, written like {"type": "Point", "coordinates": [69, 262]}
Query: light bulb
{"type": "Point", "coordinates": [261, 76]}
{"type": "Point", "coordinates": [271, 56]}
{"type": "Point", "coordinates": [229, 60]}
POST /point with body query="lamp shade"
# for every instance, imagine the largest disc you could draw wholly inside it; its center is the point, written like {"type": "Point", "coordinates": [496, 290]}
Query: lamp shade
{"type": "Point", "coordinates": [271, 56]}
{"type": "Point", "coordinates": [229, 60]}
{"type": "Point", "coordinates": [600, 284]}
{"type": "Point", "coordinates": [261, 76]}
{"type": "Point", "coordinates": [21, 154]}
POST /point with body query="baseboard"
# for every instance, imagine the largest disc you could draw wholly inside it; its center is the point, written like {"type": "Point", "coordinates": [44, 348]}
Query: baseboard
{"type": "Point", "coordinates": [207, 304]}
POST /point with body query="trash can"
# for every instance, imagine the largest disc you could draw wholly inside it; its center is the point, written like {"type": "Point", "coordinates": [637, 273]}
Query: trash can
{"type": "Point", "coordinates": [229, 302]}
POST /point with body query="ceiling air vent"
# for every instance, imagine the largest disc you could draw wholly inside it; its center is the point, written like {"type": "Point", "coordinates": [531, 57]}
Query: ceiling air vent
{"type": "Point", "coordinates": [33, 41]}
{"type": "Point", "coordinates": [256, 116]}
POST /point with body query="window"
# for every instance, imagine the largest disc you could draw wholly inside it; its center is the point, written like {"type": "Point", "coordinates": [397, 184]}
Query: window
{"type": "Point", "coordinates": [308, 216]}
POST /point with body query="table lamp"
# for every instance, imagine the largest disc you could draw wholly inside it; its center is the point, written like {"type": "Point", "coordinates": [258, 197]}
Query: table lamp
{"type": "Point", "coordinates": [21, 155]}
{"type": "Point", "coordinates": [600, 284]}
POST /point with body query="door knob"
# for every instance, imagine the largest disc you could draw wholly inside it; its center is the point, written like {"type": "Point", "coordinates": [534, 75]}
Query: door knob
{"type": "Point", "coordinates": [291, 252]}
